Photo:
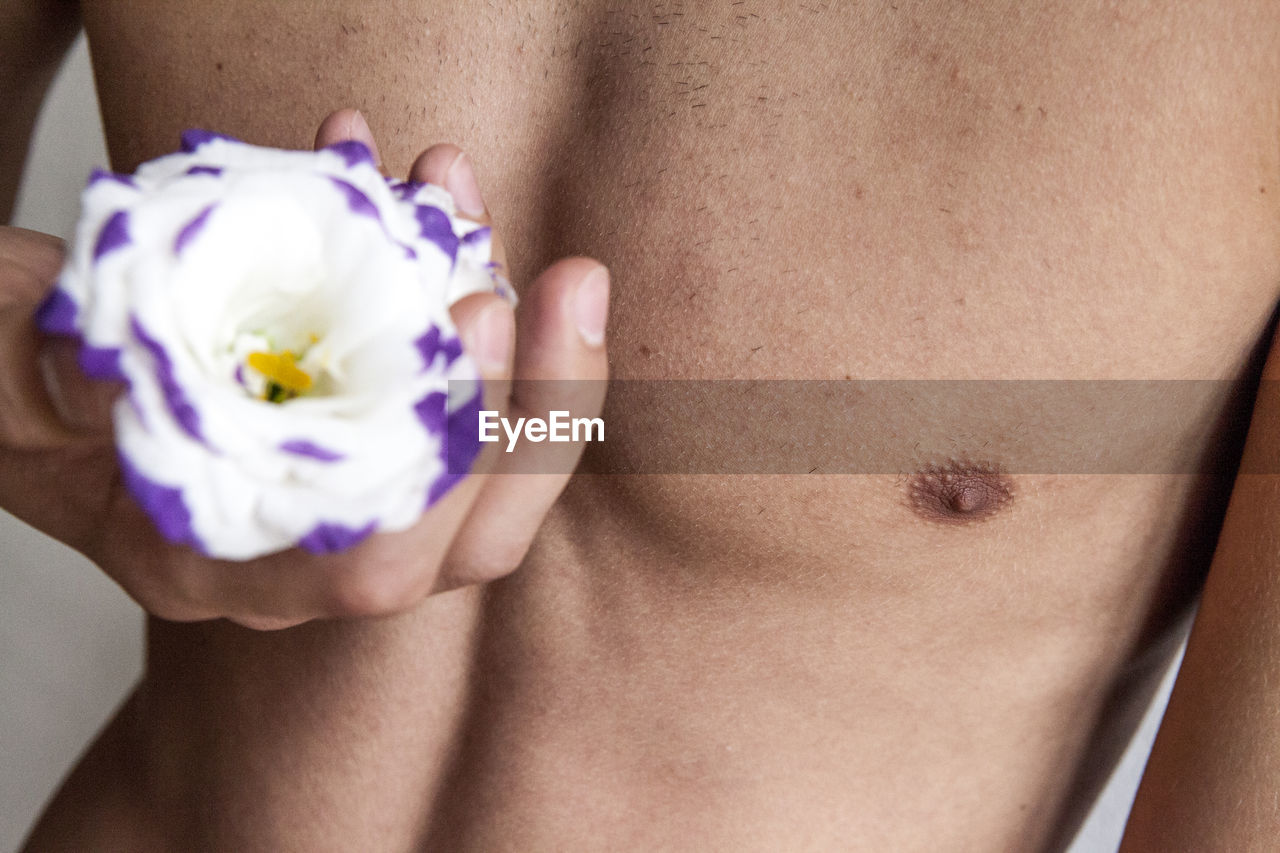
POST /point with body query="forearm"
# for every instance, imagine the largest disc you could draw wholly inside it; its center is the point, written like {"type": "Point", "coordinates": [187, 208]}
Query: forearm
{"type": "Point", "coordinates": [34, 36]}
{"type": "Point", "coordinates": [331, 735]}
{"type": "Point", "coordinates": [1213, 781]}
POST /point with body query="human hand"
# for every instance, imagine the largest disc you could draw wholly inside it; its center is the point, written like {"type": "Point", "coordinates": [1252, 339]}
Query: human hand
{"type": "Point", "coordinates": [58, 468]}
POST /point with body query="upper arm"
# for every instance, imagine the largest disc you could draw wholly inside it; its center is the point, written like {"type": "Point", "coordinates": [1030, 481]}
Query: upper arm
{"type": "Point", "coordinates": [34, 35]}
{"type": "Point", "coordinates": [1213, 780]}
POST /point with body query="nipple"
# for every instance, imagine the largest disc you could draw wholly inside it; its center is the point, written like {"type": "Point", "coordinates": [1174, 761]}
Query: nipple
{"type": "Point", "coordinates": [959, 492]}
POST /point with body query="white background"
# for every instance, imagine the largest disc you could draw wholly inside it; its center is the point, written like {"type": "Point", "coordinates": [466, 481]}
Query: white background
{"type": "Point", "coordinates": [71, 641]}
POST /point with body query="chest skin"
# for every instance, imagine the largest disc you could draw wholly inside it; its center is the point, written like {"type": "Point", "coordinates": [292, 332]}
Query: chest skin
{"type": "Point", "coordinates": [906, 190]}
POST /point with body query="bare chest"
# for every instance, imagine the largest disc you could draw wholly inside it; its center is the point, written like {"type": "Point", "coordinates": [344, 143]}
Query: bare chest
{"type": "Point", "coordinates": [907, 190]}
{"type": "Point", "coordinates": [899, 190]}
{"type": "Point", "coordinates": [904, 189]}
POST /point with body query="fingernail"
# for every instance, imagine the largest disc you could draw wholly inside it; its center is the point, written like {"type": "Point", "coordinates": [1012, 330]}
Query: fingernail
{"type": "Point", "coordinates": [591, 306]}
{"type": "Point", "coordinates": [460, 181]}
{"type": "Point", "coordinates": [359, 131]}
{"type": "Point", "coordinates": [492, 338]}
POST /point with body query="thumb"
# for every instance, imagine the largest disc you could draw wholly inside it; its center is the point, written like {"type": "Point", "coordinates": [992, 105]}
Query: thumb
{"type": "Point", "coordinates": [82, 404]}
{"type": "Point", "coordinates": [45, 401]}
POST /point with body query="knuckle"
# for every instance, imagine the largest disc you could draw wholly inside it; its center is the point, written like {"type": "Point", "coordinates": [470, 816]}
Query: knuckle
{"type": "Point", "coordinates": [167, 606]}
{"type": "Point", "coordinates": [21, 433]}
{"type": "Point", "coordinates": [189, 584]}
{"type": "Point", "coordinates": [145, 582]}
{"type": "Point", "coordinates": [168, 592]}
{"type": "Point", "coordinates": [368, 592]}
{"type": "Point", "coordinates": [175, 589]}
{"type": "Point", "coordinates": [494, 560]}
{"type": "Point", "coordinates": [23, 285]}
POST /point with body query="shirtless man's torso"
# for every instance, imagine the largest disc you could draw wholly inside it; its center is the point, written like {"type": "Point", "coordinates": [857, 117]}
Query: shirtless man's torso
{"type": "Point", "coordinates": [878, 190]}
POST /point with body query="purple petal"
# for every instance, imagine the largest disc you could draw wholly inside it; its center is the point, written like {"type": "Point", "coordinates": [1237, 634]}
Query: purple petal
{"type": "Point", "coordinates": [505, 291]}
{"type": "Point", "coordinates": [431, 344]}
{"type": "Point", "coordinates": [356, 200]}
{"type": "Point", "coordinates": [57, 314]}
{"type": "Point", "coordinates": [462, 435]}
{"type": "Point", "coordinates": [328, 538]}
{"type": "Point", "coordinates": [434, 225]}
{"type": "Point", "coordinates": [164, 505]}
{"type": "Point", "coordinates": [191, 229]}
{"type": "Point", "coordinates": [113, 235]}
{"type": "Point", "coordinates": [353, 152]}
{"type": "Point", "coordinates": [195, 137]}
{"type": "Point", "coordinates": [428, 344]}
{"type": "Point", "coordinates": [480, 235]}
{"type": "Point", "coordinates": [179, 406]}
{"type": "Point", "coordinates": [302, 447]}
{"type": "Point", "coordinates": [101, 363]}
{"type": "Point", "coordinates": [404, 190]}
{"type": "Point", "coordinates": [461, 447]}
{"type": "Point", "coordinates": [213, 171]}
{"type": "Point", "coordinates": [431, 411]}
{"type": "Point", "coordinates": [99, 175]}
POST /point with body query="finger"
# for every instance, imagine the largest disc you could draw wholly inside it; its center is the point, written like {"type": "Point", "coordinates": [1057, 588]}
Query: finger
{"type": "Point", "coordinates": [560, 364]}
{"type": "Point", "coordinates": [386, 574]}
{"type": "Point", "coordinates": [29, 265]}
{"type": "Point", "coordinates": [487, 327]}
{"type": "Point", "coordinates": [82, 403]}
{"type": "Point", "coordinates": [344, 125]}
{"type": "Point", "coordinates": [396, 572]}
{"type": "Point", "coordinates": [39, 255]}
{"type": "Point", "coordinates": [449, 166]}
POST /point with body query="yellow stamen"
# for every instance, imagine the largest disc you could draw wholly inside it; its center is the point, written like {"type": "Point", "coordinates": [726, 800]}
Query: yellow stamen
{"type": "Point", "coordinates": [283, 371]}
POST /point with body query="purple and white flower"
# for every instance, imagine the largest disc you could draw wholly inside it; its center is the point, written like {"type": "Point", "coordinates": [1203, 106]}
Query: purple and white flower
{"type": "Point", "coordinates": [281, 319]}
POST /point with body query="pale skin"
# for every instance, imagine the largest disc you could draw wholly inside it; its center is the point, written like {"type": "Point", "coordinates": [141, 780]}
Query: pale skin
{"type": "Point", "coordinates": [906, 190]}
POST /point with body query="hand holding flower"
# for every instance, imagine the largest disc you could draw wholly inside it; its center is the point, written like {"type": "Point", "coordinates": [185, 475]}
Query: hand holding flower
{"type": "Point", "coordinates": [59, 468]}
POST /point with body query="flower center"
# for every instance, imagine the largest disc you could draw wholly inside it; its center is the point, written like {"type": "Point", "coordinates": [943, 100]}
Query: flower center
{"type": "Point", "coordinates": [285, 380]}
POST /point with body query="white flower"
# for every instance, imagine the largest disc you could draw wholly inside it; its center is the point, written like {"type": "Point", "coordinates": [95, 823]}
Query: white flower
{"type": "Point", "coordinates": [281, 320]}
